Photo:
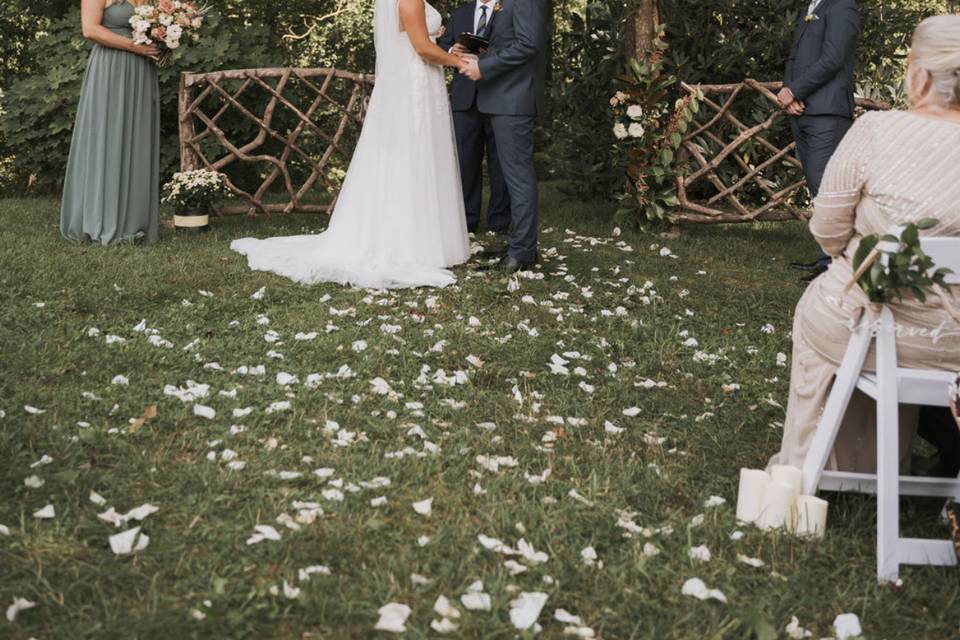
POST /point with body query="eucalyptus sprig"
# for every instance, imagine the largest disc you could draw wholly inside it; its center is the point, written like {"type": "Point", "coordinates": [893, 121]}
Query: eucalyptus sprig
{"type": "Point", "coordinates": [884, 273]}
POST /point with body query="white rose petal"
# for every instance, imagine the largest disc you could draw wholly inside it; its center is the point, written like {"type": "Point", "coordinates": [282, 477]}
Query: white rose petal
{"type": "Point", "coordinates": [847, 625]}
{"type": "Point", "coordinates": [795, 632]}
{"type": "Point", "coordinates": [19, 604]}
{"type": "Point", "coordinates": [753, 562]}
{"type": "Point", "coordinates": [47, 513]}
{"type": "Point", "coordinates": [424, 507]}
{"type": "Point", "coordinates": [525, 609]}
{"type": "Point", "coordinates": [128, 541]}
{"type": "Point", "coordinates": [695, 588]}
{"type": "Point", "coordinates": [393, 617]}
{"type": "Point", "coordinates": [203, 411]}
{"type": "Point", "coordinates": [701, 553]}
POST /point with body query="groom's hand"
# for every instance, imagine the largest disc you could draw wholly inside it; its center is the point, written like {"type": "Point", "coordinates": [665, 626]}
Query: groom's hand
{"type": "Point", "coordinates": [471, 69]}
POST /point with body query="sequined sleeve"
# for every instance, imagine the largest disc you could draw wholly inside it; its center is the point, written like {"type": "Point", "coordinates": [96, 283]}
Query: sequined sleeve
{"type": "Point", "coordinates": [835, 208]}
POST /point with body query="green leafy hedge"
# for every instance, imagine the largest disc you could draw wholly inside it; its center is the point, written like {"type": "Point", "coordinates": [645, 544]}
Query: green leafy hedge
{"type": "Point", "coordinates": [39, 109]}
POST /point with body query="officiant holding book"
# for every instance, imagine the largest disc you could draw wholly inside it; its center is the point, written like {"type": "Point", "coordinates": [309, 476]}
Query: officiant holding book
{"type": "Point", "coordinates": [473, 132]}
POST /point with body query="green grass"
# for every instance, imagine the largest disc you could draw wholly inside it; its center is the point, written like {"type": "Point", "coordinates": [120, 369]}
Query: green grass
{"type": "Point", "coordinates": [724, 286]}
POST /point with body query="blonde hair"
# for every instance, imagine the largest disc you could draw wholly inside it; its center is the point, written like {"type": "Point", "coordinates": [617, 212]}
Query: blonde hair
{"type": "Point", "coordinates": [935, 59]}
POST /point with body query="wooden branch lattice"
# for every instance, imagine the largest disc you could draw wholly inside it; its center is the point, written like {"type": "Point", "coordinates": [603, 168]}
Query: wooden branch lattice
{"type": "Point", "coordinates": [287, 132]}
{"type": "Point", "coordinates": [739, 172]}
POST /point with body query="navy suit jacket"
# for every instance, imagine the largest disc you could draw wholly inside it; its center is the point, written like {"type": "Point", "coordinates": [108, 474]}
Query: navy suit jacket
{"type": "Point", "coordinates": [820, 67]}
{"type": "Point", "coordinates": [463, 93]}
{"type": "Point", "coordinates": [514, 69]}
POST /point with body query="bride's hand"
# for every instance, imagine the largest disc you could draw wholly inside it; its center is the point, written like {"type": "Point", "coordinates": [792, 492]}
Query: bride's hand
{"type": "Point", "coordinates": [146, 50]}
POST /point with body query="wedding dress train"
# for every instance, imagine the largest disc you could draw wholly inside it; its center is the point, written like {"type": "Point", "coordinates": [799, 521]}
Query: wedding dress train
{"type": "Point", "coordinates": [399, 220]}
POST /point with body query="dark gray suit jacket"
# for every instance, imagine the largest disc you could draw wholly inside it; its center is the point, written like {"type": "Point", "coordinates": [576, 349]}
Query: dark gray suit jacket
{"type": "Point", "coordinates": [820, 68]}
{"type": "Point", "coordinates": [514, 69]}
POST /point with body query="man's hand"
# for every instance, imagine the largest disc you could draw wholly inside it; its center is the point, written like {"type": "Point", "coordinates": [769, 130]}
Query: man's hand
{"type": "Point", "coordinates": [459, 50]}
{"type": "Point", "coordinates": [471, 68]}
{"type": "Point", "coordinates": [796, 108]}
{"type": "Point", "coordinates": [785, 97]}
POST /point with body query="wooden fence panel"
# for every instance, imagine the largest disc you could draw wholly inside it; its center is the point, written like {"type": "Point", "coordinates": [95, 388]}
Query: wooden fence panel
{"type": "Point", "coordinates": [736, 171]}
{"type": "Point", "coordinates": [306, 122]}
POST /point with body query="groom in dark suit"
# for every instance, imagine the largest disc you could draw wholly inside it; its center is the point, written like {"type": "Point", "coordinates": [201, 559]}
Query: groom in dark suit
{"type": "Point", "coordinates": [474, 132]}
{"type": "Point", "coordinates": [818, 90]}
{"type": "Point", "coordinates": [510, 78]}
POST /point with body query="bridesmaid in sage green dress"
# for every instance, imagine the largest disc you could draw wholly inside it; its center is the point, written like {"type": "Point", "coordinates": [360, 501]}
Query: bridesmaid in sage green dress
{"type": "Point", "coordinates": [111, 191]}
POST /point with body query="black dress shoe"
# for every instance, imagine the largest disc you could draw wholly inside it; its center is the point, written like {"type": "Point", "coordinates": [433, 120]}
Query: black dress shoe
{"type": "Point", "coordinates": [500, 231]}
{"type": "Point", "coordinates": [509, 264]}
{"type": "Point", "coordinates": [813, 275]}
{"type": "Point", "coordinates": [807, 266]}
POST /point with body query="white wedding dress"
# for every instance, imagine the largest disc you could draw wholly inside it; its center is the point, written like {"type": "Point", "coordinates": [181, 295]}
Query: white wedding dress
{"type": "Point", "coordinates": [399, 220]}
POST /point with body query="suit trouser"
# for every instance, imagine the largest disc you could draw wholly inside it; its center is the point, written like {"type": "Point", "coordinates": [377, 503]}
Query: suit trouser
{"type": "Point", "coordinates": [474, 135]}
{"type": "Point", "coordinates": [817, 138]}
{"type": "Point", "coordinates": [514, 136]}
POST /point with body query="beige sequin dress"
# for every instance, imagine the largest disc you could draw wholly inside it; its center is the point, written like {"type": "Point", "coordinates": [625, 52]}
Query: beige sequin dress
{"type": "Point", "coordinates": [891, 168]}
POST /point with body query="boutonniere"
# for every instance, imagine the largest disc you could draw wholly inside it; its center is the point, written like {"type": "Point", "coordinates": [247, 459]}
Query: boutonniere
{"type": "Point", "coordinates": [497, 7]}
{"type": "Point", "coordinates": [811, 18]}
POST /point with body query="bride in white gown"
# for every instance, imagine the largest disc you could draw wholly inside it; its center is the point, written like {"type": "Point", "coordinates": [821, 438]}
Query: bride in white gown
{"type": "Point", "coordinates": [399, 220]}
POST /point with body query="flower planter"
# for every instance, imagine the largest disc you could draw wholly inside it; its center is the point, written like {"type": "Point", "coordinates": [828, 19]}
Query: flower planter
{"type": "Point", "coordinates": [192, 221]}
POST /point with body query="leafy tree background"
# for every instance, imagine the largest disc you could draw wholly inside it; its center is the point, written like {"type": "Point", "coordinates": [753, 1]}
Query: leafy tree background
{"type": "Point", "coordinates": [42, 58]}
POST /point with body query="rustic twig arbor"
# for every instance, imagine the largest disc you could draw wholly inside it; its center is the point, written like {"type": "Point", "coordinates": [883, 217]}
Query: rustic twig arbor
{"type": "Point", "coordinates": [735, 172]}
{"type": "Point", "coordinates": [303, 124]}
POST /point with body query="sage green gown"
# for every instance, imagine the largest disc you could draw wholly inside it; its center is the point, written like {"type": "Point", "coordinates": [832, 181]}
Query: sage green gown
{"type": "Point", "coordinates": [111, 191]}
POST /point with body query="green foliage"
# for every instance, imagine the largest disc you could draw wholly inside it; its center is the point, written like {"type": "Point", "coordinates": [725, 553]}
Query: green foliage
{"type": "Point", "coordinates": [710, 41]}
{"type": "Point", "coordinates": [894, 265]}
{"type": "Point", "coordinates": [649, 130]}
{"type": "Point", "coordinates": [41, 107]}
{"type": "Point", "coordinates": [589, 58]}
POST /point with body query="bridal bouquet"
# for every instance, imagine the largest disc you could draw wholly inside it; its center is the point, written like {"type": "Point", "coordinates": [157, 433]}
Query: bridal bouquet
{"type": "Point", "coordinates": [166, 23]}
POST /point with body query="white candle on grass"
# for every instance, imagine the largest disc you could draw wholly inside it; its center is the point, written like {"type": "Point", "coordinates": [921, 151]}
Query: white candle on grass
{"type": "Point", "coordinates": [788, 475]}
{"type": "Point", "coordinates": [776, 508]}
{"type": "Point", "coordinates": [750, 494]}
{"type": "Point", "coordinates": [811, 516]}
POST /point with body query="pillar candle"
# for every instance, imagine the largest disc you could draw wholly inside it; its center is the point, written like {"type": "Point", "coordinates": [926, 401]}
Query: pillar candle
{"type": "Point", "coordinates": [776, 507]}
{"type": "Point", "coordinates": [811, 516]}
{"type": "Point", "coordinates": [750, 494]}
{"type": "Point", "coordinates": [788, 475]}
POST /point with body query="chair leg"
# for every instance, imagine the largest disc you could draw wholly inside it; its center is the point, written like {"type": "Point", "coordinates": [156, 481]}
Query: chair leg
{"type": "Point", "coordinates": [888, 453]}
{"type": "Point", "coordinates": [843, 387]}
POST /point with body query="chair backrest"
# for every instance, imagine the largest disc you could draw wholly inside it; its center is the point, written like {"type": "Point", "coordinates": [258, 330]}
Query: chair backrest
{"type": "Point", "coordinates": [945, 252]}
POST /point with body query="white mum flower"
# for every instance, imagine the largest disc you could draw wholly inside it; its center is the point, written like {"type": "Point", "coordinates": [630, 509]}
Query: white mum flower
{"type": "Point", "coordinates": [635, 112]}
{"type": "Point", "coordinates": [620, 131]}
{"type": "Point", "coordinates": [636, 130]}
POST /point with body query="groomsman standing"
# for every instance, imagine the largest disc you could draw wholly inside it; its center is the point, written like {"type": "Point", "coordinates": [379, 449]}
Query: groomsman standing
{"type": "Point", "coordinates": [474, 132]}
{"type": "Point", "coordinates": [818, 91]}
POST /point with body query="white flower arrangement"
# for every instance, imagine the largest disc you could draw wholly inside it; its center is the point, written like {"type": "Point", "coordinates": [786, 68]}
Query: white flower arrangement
{"type": "Point", "coordinates": [635, 130]}
{"type": "Point", "coordinates": [194, 190]}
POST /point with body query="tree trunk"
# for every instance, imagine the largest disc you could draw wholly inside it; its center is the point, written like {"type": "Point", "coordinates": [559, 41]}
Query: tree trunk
{"type": "Point", "coordinates": [642, 29]}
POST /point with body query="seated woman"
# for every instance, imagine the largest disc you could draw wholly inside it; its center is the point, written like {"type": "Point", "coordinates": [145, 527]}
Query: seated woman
{"type": "Point", "coordinates": [891, 168]}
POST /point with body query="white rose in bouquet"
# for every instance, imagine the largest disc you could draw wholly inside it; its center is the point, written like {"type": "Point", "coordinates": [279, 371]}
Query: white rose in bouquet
{"type": "Point", "coordinates": [634, 112]}
{"type": "Point", "coordinates": [620, 131]}
{"type": "Point", "coordinates": [166, 19]}
{"type": "Point", "coordinates": [636, 130]}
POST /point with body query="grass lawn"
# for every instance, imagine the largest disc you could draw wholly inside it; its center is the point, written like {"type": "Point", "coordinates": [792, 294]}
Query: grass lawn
{"type": "Point", "coordinates": [409, 418]}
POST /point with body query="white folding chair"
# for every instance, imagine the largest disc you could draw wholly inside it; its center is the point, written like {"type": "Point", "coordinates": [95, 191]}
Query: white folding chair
{"type": "Point", "coordinates": [890, 386]}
